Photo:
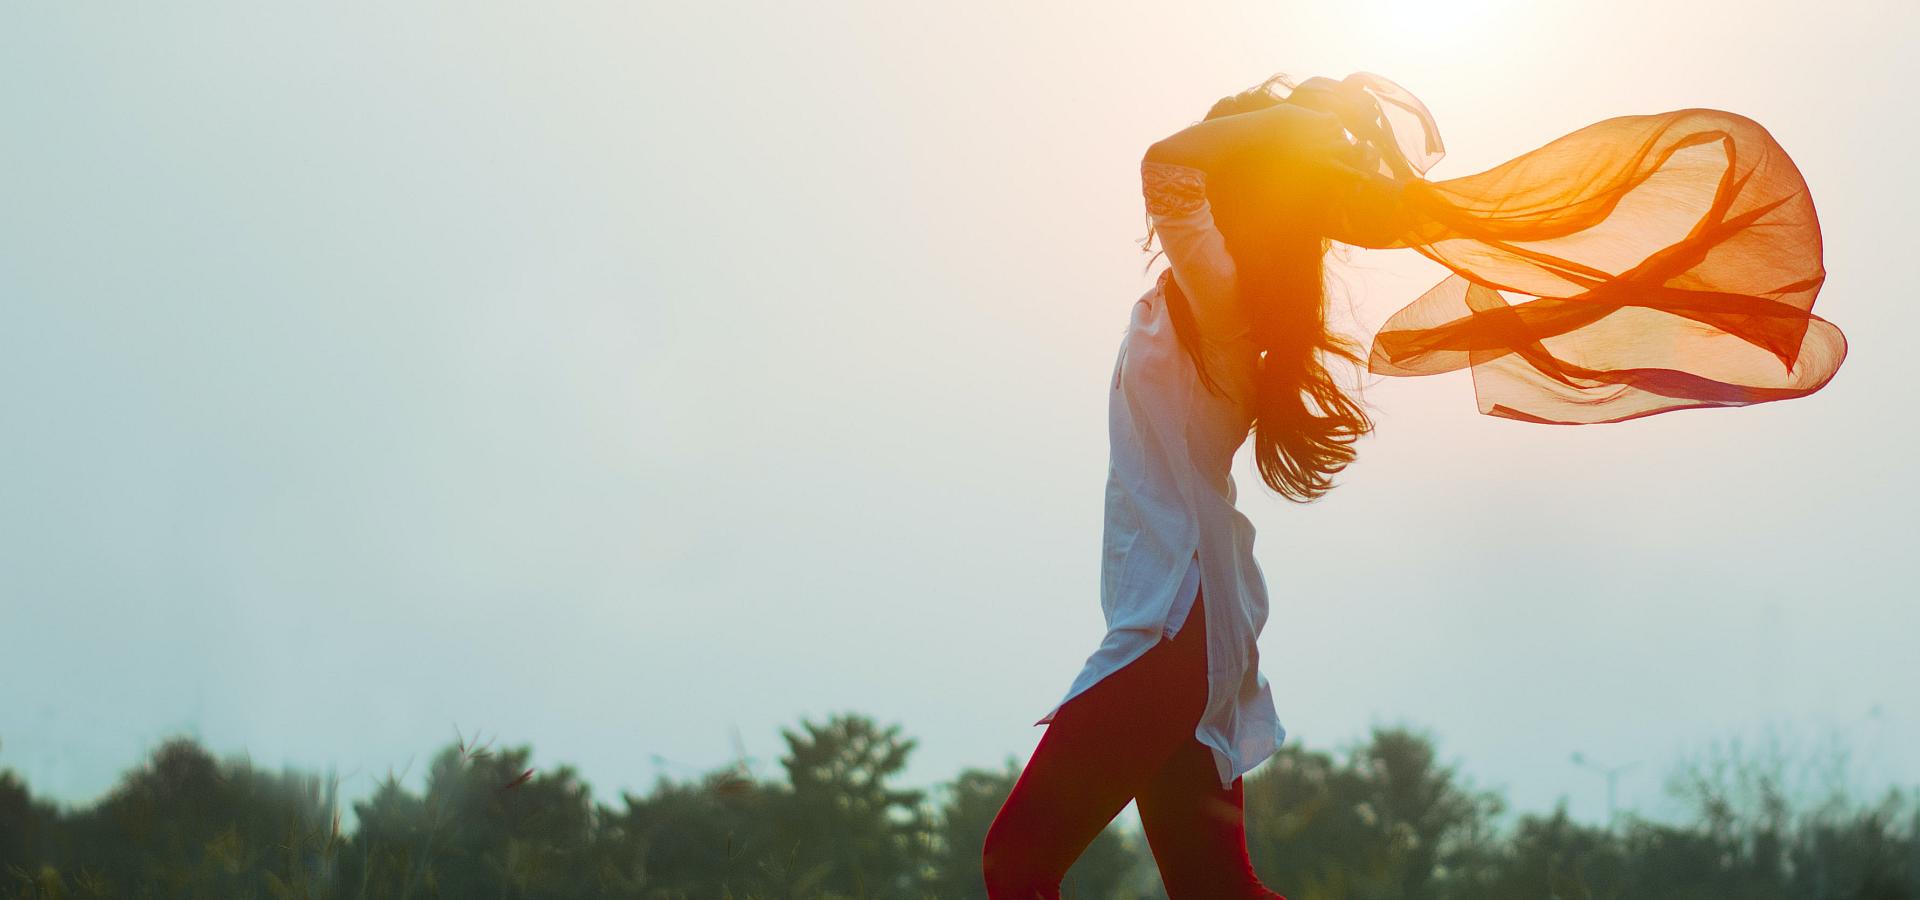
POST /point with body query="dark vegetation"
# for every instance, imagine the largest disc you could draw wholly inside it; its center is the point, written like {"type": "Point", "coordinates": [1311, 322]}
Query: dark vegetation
{"type": "Point", "coordinates": [1384, 820]}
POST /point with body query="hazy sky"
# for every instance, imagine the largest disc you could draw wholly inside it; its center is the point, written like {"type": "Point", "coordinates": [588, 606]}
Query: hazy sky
{"type": "Point", "coordinates": [613, 376]}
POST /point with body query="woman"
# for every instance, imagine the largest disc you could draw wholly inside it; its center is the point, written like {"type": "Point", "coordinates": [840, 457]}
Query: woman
{"type": "Point", "coordinates": [1670, 261]}
{"type": "Point", "coordinates": [1172, 709]}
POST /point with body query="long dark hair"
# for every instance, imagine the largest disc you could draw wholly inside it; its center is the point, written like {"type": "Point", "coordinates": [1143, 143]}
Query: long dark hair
{"type": "Point", "coordinates": [1304, 424]}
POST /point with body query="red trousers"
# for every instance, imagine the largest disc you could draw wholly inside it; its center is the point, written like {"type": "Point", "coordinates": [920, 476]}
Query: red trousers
{"type": "Point", "coordinates": [1129, 737]}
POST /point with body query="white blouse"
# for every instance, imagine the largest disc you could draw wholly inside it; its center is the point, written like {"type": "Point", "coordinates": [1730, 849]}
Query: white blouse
{"type": "Point", "coordinates": [1171, 524]}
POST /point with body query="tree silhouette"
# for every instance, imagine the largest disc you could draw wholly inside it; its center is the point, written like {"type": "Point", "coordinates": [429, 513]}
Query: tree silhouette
{"type": "Point", "coordinates": [1388, 823]}
{"type": "Point", "coordinates": [1382, 821]}
{"type": "Point", "coordinates": [715, 836]}
{"type": "Point", "coordinates": [489, 826]}
{"type": "Point", "coordinates": [28, 829]}
{"type": "Point", "coordinates": [187, 825]}
{"type": "Point", "coordinates": [843, 814]}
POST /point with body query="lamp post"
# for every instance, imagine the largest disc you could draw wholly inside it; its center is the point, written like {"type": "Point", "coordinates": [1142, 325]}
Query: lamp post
{"type": "Point", "coordinates": [1612, 773]}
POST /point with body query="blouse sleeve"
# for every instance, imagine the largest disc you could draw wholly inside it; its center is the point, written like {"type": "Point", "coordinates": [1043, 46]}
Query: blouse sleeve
{"type": "Point", "coordinates": [1176, 199]}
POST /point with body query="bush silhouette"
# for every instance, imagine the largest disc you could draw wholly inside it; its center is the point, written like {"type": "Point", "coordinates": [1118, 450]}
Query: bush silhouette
{"type": "Point", "coordinates": [1383, 820]}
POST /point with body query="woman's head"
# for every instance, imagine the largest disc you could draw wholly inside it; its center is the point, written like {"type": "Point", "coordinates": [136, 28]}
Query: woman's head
{"type": "Point", "coordinates": [1304, 423]}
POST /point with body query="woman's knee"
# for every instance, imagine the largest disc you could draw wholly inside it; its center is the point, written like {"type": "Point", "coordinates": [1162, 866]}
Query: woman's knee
{"type": "Point", "coordinates": [1008, 867]}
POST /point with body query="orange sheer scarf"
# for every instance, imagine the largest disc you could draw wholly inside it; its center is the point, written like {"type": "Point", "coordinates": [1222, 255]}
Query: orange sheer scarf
{"type": "Point", "coordinates": [1658, 262]}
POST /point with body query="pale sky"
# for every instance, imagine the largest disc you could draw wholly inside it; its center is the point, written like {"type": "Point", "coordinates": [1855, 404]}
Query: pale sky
{"type": "Point", "coordinates": [613, 377]}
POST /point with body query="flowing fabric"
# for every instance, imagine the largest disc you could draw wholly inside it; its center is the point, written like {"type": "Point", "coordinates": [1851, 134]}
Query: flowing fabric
{"type": "Point", "coordinates": [1638, 265]}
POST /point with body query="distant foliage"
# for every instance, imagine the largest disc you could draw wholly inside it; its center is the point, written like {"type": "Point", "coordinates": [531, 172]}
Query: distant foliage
{"type": "Point", "coordinates": [1386, 822]}
{"type": "Point", "coordinates": [1382, 821]}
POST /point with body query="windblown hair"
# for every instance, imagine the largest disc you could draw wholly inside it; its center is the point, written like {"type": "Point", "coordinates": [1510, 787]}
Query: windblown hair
{"type": "Point", "coordinates": [1304, 424]}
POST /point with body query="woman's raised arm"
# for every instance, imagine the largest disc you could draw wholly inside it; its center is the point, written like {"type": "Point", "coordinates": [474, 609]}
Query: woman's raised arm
{"type": "Point", "coordinates": [1282, 133]}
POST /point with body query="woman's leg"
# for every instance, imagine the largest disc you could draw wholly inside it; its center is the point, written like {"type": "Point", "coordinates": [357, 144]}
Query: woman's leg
{"type": "Point", "coordinates": [1195, 827]}
{"type": "Point", "coordinates": [1100, 750]}
{"type": "Point", "coordinates": [1197, 830]}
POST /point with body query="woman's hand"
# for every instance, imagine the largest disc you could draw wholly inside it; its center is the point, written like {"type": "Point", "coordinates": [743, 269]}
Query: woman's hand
{"type": "Point", "coordinates": [1282, 134]}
